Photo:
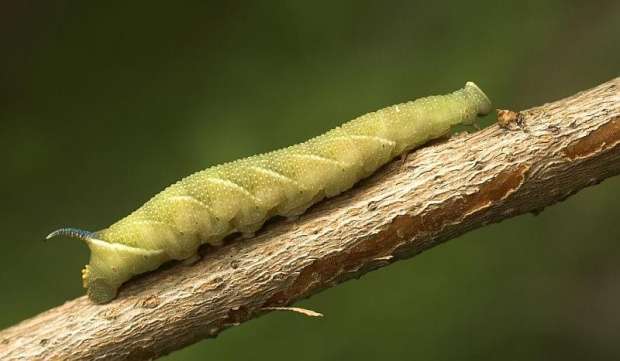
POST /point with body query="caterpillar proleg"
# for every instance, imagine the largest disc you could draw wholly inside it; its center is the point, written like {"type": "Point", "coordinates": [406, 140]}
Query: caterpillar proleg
{"type": "Point", "coordinates": [241, 195]}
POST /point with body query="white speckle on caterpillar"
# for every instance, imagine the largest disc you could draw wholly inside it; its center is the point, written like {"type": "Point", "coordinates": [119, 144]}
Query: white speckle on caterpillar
{"type": "Point", "coordinates": [240, 196]}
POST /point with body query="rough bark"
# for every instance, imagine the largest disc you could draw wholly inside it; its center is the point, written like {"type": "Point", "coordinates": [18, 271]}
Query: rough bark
{"type": "Point", "coordinates": [539, 157]}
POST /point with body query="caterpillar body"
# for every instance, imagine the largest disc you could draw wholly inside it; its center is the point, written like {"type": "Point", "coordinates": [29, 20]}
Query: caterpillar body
{"type": "Point", "coordinates": [241, 195]}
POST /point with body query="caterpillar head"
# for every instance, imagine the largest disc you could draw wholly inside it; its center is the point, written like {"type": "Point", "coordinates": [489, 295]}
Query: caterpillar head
{"type": "Point", "coordinates": [110, 264]}
{"type": "Point", "coordinates": [483, 104]}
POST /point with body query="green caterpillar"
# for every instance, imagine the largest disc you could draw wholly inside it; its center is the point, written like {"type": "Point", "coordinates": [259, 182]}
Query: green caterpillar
{"type": "Point", "coordinates": [241, 195]}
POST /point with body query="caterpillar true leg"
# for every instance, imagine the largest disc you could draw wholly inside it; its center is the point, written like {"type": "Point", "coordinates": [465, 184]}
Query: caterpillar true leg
{"type": "Point", "coordinates": [191, 260]}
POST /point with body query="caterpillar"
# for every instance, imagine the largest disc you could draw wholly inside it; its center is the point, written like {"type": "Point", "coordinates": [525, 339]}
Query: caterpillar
{"type": "Point", "coordinates": [241, 195]}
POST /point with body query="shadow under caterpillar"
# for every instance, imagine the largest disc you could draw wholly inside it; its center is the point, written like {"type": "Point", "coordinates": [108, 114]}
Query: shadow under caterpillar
{"type": "Point", "coordinates": [241, 195]}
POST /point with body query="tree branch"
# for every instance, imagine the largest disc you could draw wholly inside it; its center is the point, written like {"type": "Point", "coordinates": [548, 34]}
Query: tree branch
{"type": "Point", "coordinates": [440, 192]}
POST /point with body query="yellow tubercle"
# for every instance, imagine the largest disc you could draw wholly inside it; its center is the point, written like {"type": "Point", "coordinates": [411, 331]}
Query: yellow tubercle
{"type": "Point", "coordinates": [85, 277]}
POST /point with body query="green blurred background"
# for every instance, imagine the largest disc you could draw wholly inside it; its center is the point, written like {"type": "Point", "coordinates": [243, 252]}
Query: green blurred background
{"type": "Point", "coordinates": [103, 105]}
